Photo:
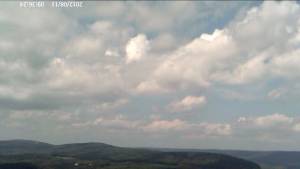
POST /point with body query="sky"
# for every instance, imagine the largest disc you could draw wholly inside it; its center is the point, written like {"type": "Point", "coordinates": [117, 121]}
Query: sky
{"type": "Point", "coordinates": [182, 74]}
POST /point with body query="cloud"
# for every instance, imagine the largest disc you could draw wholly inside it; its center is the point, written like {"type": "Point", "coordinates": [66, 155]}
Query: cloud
{"type": "Point", "coordinates": [262, 57]}
{"type": "Point", "coordinates": [287, 64]}
{"type": "Point", "coordinates": [277, 93]}
{"type": "Point", "coordinates": [216, 129]}
{"type": "Point", "coordinates": [121, 122]}
{"type": "Point", "coordinates": [29, 118]}
{"type": "Point", "coordinates": [188, 129]}
{"type": "Point", "coordinates": [84, 46]}
{"type": "Point", "coordinates": [163, 43]}
{"type": "Point", "coordinates": [162, 125]}
{"type": "Point", "coordinates": [137, 48]}
{"type": "Point", "coordinates": [46, 63]}
{"type": "Point", "coordinates": [296, 127]}
{"type": "Point", "coordinates": [150, 87]}
{"type": "Point", "coordinates": [25, 115]}
{"type": "Point", "coordinates": [187, 103]}
{"type": "Point", "coordinates": [101, 27]}
{"type": "Point", "coordinates": [271, 128]}
{"type": "Point", "coordinates": [271, 120]}
{"type": "Point", "coordinates": [64, 75]}
{"type": "Point", "coordinates": [111, 105]}
{"type": "Point", "coordinates": [192, 63]}
{"type": "Point", "coordinates": [90, 57]}
{"type": "Point", "coordinates": [105, 68]}
{"type": "Point", "coordinates": [111, 53]}
{"type": "Point", "coordinates": [118, 122]}
{"type": "Point", "coordinates": [112, 123]}
{"type": "Point", "coordinates": [251, 70]}
{"type": "Point", "coordinates": [203, 62]}
{"type": "Point", "coordinates": [158, 126]}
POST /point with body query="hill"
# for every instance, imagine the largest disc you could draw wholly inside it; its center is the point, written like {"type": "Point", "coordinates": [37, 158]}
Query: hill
{"type": "Point", "coordinates": [269, 159]}
{"type": "Point", "coordinates": [266, 159]}
{"type": "Point", "coordinates": [23, 146]}
{"type": "Point", "coordinates": [39, 155]}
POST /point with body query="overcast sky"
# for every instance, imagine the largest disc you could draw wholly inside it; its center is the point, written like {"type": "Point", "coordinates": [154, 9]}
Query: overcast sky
{"type": "Point", "coordinates": [179, 74]}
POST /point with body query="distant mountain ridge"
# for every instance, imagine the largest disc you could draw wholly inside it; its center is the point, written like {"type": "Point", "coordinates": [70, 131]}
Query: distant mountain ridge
{"type": "Point", "coordinates": [105, 156]}
{"type": "Point", "coordinates": [267, 159]}
{"type": "Point", "coordinates": [279, 159]}
{"type": "Point", "coordinates": [23, 146]}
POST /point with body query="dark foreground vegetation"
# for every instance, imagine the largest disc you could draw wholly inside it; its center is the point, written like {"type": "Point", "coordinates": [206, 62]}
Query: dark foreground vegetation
{"type": "Point", "coordinates": [19, 154]}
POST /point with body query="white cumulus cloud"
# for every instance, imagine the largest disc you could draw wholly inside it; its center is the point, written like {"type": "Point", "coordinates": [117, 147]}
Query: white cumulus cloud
{"type": "Point", "coordinates": [187, 103]}
{"type": "Point", "coordinates": [137, 48]}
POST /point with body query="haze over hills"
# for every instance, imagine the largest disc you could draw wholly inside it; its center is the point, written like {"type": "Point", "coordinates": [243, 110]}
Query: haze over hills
{"type": "Point", "coordinates": [266, 159]}
{"type": "Point", "coordinates": [24, 154]}
{"type": "Point", "coordinates": [269, 159]}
